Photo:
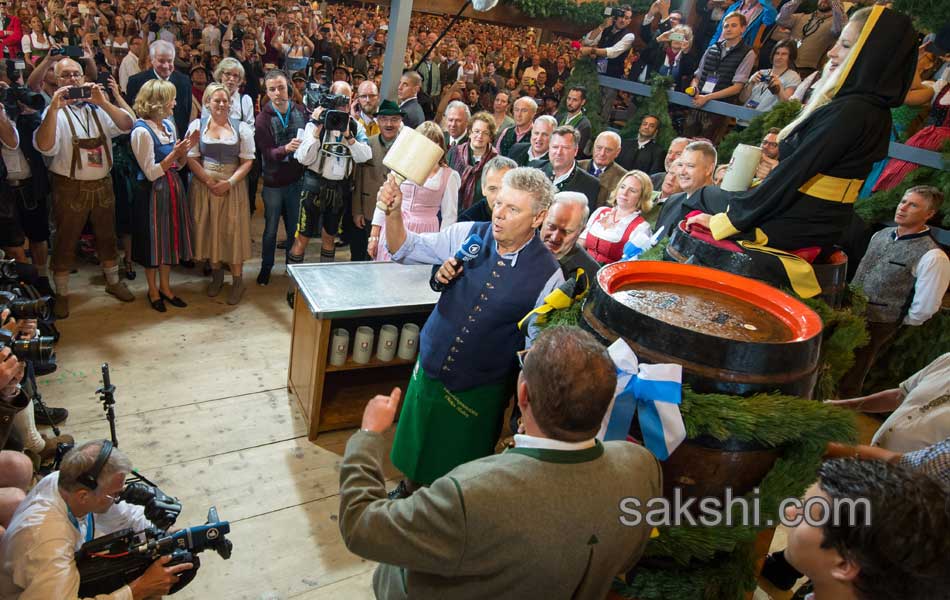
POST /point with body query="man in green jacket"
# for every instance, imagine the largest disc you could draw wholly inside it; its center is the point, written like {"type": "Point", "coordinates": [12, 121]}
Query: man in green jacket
{"type": "Point", "coordinates": [541, 520]}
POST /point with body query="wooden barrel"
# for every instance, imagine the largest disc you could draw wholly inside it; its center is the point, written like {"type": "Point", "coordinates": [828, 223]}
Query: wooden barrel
{"type": "Point", "coordinates": [831, 271]}
{"type": "Point", "coordinates": [731, 334]}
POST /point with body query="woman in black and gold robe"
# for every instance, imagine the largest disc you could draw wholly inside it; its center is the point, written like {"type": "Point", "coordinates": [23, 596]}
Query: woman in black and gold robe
{"type": "Point", "coordinates": [826, 153]}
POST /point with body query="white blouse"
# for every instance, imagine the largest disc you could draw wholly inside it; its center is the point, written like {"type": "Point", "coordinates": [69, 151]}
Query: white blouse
{"type": "Point", "coordinates": [639, 237]}
{"type": "Point", "coordinates": [144, 149]}
{"type": "Point", "coordinates": [244, 130]}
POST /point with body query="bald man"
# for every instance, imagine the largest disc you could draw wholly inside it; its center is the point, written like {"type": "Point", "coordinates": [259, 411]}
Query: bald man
{"type": "Point", "coordinates": [603, 165]}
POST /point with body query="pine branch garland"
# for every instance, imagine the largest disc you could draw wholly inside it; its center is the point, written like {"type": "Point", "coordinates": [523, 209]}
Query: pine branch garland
{"type": "Point", "coordinates": [781, 115]}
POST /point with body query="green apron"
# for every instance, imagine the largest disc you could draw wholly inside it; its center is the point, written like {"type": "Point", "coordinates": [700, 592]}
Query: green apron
{"type": "Point", "coordinates": [439, 430]}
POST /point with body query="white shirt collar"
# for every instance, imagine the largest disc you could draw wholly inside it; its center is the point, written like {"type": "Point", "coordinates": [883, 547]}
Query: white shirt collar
{"type": "Point", "coordinates": [567, 175]}
{"type": "Point", "coordinates": [530, 441]}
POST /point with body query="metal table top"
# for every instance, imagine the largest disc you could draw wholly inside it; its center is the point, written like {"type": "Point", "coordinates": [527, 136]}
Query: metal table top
{"type": "Point", "coordinates": [350, 289]}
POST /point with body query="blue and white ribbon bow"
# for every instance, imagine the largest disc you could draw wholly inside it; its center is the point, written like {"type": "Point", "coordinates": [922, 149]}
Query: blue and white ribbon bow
{"type": "Point", "coordinates": [654, 393]}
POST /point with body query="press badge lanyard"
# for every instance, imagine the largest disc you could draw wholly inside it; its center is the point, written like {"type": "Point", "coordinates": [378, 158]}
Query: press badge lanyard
{"type": "Point", "coordinates": [285, 119]}
{"type": "Point", "coordinates": [90, 524]}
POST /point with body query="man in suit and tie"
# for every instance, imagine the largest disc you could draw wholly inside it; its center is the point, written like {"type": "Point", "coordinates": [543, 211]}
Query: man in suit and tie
{"type": "Point", "coordinates": [473, 535]}
{"type": "Point", "coordinates": [457, 116]}
{"type": "Point", "coordinates": [535, 153]}
{"type": "Point", "coordinates": [563, 170]}
{"type": "Point", "coordinates": [409, 85]}
{"type": "Point", "coordinates": [603, 165]}
{"type": "Point", "coordinates": [162, 54]}
{"type": "Point", "coordinates": [644, 153]}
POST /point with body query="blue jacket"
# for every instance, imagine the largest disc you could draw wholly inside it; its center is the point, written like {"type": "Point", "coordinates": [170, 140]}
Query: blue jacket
{"type": "Point", "coordinates": [767, 17]}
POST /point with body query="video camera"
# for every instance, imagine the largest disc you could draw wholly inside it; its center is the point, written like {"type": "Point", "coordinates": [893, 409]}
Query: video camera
{"type": "Point", "coordinates": [106, 564]}
{"type": "Point", "coordinates": [24, 302]}
{"type": "Point", "coordinates": [613, 12]}
{"type": "Point", "coordinates": [18, 93]}
{"type": "Point", "coordinates": [318, 94]}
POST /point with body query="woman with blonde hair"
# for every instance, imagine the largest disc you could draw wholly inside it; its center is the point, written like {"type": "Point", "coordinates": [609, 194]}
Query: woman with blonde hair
{"type": "Point", "coordinates": [161, 214]}
{"type": "Point", "coordinates": [230, 74]}
{"type": "Point", "coordinates": [422, 204]}
{"type": "Point", "coordinates": [219, 162]}
{"type": "Point", "coordinates": [612, 227]}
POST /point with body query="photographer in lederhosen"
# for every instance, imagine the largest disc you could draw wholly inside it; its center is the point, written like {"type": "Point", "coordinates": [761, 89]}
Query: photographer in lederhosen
{"type": "Point", "coordinates": [333, 143]}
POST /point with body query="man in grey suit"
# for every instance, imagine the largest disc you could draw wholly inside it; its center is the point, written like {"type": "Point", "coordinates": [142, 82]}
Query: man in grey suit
{"type": "Point", "coordinates": [603, 165]}
{"type": "Point", "coordinates": [369, 177]}
{"type": "Point", "coordinates": [408, 89]}
{"type": "Point", "coordinates": [541, 520]}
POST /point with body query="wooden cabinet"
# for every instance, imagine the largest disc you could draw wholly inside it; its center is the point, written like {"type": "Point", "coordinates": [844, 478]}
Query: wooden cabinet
{"type": "Point", "coordinates": [349, 295]}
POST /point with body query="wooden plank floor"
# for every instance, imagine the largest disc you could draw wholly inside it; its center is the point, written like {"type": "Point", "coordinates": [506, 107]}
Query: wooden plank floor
{"type": "Point", "coordinates": [202, 408]}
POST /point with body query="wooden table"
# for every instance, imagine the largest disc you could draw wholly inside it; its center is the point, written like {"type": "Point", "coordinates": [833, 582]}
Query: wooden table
{"type": "Point", "coordinates": [348, 295]}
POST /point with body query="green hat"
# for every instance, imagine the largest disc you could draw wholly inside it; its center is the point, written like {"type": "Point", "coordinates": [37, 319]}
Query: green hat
{"type": "Point", "coordinates": [388, 108]}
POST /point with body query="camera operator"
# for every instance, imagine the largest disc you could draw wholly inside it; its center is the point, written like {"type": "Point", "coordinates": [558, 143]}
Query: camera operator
{"type": "Point", "coordinates": [27, 436]}
{"type": "Point", "coordinates": [609, 44]}
{"type": "Point", "coordinates": [330, 158]}
{"type": "Point", "coordinates": [66, 509]}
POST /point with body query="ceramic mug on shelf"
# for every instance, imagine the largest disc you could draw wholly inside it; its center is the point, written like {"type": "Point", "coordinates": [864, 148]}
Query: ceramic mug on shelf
{"type": "Point", "coordinates": [363, 345]}
{"type": "Point", "coordinates": [408, 341]}
{"type": "Point", "coordinates": [339, 344]}
{"type": "Point", "coordinates": [388, 340]}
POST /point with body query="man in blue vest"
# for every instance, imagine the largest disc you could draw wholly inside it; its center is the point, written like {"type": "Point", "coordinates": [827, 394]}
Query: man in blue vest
{"type": "Point", "coordinates": [460, 387]}
{"type": "Point", "coordinates": [722, 72]}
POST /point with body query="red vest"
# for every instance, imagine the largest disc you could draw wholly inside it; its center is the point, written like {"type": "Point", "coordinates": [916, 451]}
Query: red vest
{"type": "Point", "coordinates": [606, 252]}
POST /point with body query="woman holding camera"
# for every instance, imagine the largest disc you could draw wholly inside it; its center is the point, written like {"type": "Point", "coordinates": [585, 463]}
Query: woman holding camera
{"type": "Point", "coordinates": [768, 87]}
{"type": "Point", "coordinates": [161, 214]}
{"type": "Point", "coordinates": [219, 162]}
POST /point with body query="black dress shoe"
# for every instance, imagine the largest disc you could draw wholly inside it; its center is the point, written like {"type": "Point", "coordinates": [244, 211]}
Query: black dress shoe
{"type": "Point", "coordinates": [56, 415]}
{"type": "Point", "coordinates": [400, 491]}
{"type": "Point", "coordinates": [263, 278]}
{"type": "Point", "coordinates": [282, 245]}
{"type": "Point", "coordinates": [176, 301]}
{"type": "Point", "coordinates": [129, 271]}
{"type": "Point", "coordinates": [158, 305]}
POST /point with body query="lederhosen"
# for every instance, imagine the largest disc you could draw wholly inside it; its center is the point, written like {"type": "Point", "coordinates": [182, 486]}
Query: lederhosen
{"type": "Point", "coordinates": [322, 200]}
{"type": "Point", "coordinates": [75, 201]}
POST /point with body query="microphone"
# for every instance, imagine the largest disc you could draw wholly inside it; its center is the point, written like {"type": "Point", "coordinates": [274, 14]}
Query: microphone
{"type": "Point", "coordinates": [470, 249]}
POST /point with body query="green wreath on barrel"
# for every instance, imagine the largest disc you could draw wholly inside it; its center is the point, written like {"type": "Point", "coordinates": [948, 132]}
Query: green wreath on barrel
{"type": "Point", "coordinates": [716, 563]}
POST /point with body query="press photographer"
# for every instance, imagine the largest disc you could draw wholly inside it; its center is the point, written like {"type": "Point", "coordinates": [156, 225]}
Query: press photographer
{"type": "Point", "coordinates": [333, 143]}
{"type": "Point", "coordinates": [24, 192]}
{"type": "Point", "coordinates": [64, 510]}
